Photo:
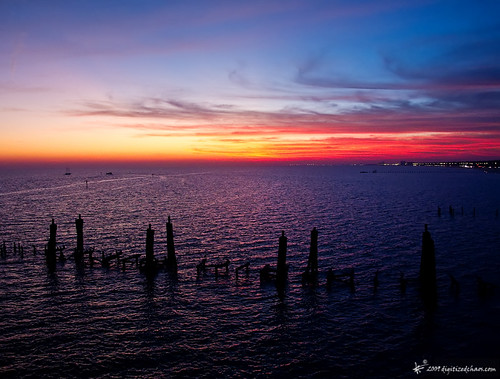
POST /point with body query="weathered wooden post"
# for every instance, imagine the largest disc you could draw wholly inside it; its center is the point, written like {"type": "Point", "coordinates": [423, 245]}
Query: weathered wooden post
{"type": "Point", "coordinates": [311, 273]}
{"type": "Point", "coordinates": [312, 264]}
{"type": "Point", "coordinates": [79, 239]}
{"type": "Point", "coordinates": [150, 255]}
{"type": "Point", "coordinates": [171, 258]}
{"type": "Point", "coordinates": [428, 285]}
{"type": "Point", "coordinates": [50, 251]}
{"type": "Point", "coordinates": [282, 268]}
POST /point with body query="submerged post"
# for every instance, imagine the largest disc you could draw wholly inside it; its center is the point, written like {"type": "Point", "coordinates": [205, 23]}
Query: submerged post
{"type": "Point", "coordinates": [150, 240]}
{"type": "Point", "coordinates": [79, 238]}
{"type": "Point", "coordinates": [171, 258]}
{"type": "Point", "coordinates": [428, 285]}
{"type": "Point", "coordinates": [282, 268]}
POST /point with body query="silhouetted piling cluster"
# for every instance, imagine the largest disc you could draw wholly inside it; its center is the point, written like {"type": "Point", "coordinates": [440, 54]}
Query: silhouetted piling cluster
{"type": "Point", "coordinates": [56, 253]}
{"type": "Point", "coordinates": [17, 250]}
{"type": "Point", "coordinates": [149, 264]}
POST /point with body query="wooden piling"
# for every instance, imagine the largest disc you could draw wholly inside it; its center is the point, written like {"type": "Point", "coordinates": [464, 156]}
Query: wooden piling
{"type": "Point", "coordinates": [311, 274]}
{"type": "Point", "coordinates": [150, 256]}
{"type": "Point", "coordinates": [428, 285]}
{"type": "Point", "coordinates": [312, 264]}
{"type": "Point", "coordinates": [171, 258]}
{"type": "Point", "coordinates": [79, 233]}
{"type": "Point", "coordinates": [79, 239]}
{"type": "Point", "coordinates": [50, 251]}
{"type": "Point", "coordinates": [282, 268]}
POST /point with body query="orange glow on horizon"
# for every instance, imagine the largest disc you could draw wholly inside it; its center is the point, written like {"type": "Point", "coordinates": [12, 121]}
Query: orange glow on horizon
{"type": "Point", "coordinates": [344, 147]}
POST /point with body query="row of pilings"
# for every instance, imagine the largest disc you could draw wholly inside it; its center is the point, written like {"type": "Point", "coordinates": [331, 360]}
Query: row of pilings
{"type": "Point", "coordinates": [452, 211]}
{"type": "Point", "coordinates": [149, 264]}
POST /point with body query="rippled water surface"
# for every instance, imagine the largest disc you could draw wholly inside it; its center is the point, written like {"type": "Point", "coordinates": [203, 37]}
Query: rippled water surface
{"type": "Point", "coordinates": [109, 322]}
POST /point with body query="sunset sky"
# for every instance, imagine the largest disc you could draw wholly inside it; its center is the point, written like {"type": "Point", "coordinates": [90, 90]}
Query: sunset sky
{"type": "Point", "coordinates": [341, 81]}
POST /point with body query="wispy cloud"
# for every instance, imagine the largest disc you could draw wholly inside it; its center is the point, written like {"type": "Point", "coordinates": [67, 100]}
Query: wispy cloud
{"type": "Point", "coordinates": [221, 119]}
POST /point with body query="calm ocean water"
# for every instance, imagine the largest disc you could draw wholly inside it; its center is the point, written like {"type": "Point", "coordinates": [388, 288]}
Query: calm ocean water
{"type": "Point", "coordinates": [106, 322]}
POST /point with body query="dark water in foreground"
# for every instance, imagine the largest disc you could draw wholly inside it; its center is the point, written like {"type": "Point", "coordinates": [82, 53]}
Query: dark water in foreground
{"type": "Point", "coordinates": [97, 322]}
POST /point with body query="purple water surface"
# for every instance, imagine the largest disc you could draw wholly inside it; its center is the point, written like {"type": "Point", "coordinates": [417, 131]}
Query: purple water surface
{"type": "Point", "coordinates": [106, 322]}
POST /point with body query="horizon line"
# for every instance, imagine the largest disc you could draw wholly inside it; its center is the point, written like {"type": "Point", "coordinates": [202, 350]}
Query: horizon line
{"type": "Point", "coordinates": [236, 162]}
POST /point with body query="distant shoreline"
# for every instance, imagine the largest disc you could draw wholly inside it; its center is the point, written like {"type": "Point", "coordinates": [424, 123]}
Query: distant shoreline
{"type": "Point", "coordinates": [493, 164]}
